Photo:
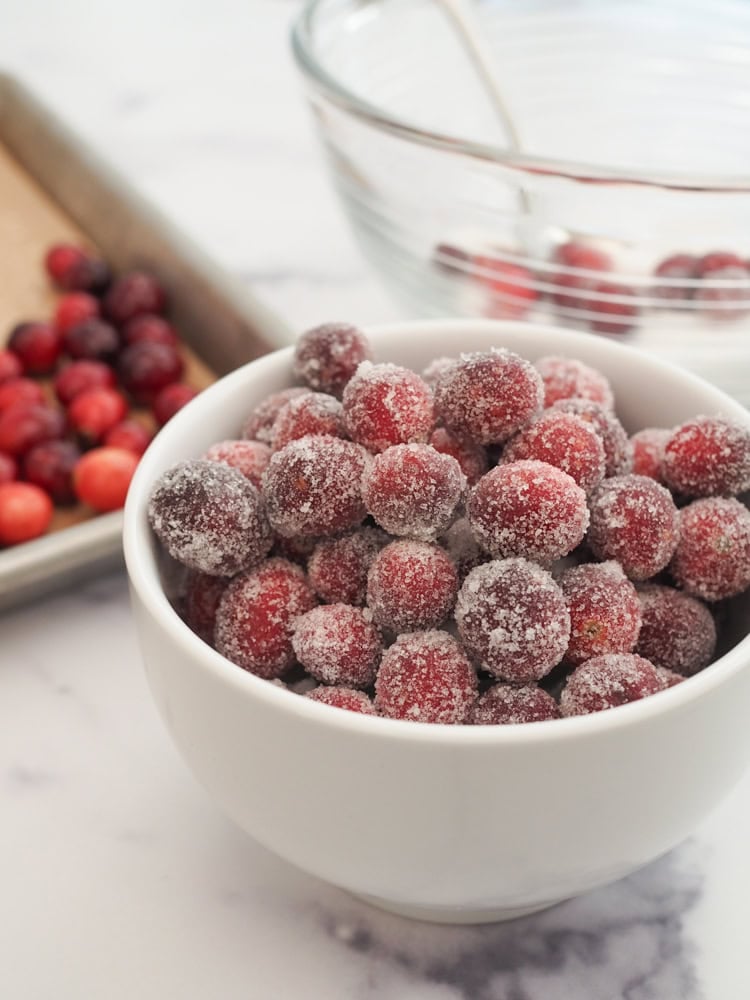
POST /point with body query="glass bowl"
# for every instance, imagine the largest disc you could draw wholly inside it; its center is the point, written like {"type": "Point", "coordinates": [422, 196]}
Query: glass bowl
{"type": "Point", "coordinates": [627, 211]}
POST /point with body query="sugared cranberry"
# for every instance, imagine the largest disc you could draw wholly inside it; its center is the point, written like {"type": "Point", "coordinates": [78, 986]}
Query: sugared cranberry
{"type": "Point", "coordinates": [326, 357]}
{"type": "Point", "coordinates": [343, 697]}
{"type": "Point", "coordinates": [79, 376]}
{"type": "Point", "coordinates": [618, 454]}
{"type": "Point", "coordinates": [25, 512]}
{"type": "Point", "coordinates": [471, 457]}
{"type": "Point", "coordinates": [297, 550]}
{"type": "Point", "coordinates": [506, 704]}
{"type": "Point", "coordinates": [648, 451]}
{"type": "Point", "coordinates": [605, 613]}
{"type": "Point", "coordinates": [256, 615]}
{"type": "Point", "coordinates": [436, 368]}
{"type": "Point", "coordinates": [8, 468]}
{"type": "Point", "coordinates": [608, 681]}
{"type": "Point", "coordinates": [24, 425]}
{"type": "Point", "coordinates": [677, 631]}
{"type": "Point", "coordinates": [634, 520]}
{"type": "Point", "coordinates": [209, 517]}
{"type": "Point", "coordinates": [426, 677]}
{"type": "Point", "coordinates": [488, 396]}
{"type": "Point", "coordinates": [411, 585]}
{"type": "Point", "coordinates": [50, 465]}
{"type": "Point", "coordinates": [37, 346]}
{"type": "Point", "coordinates": [102, 476]}
{"type": "Point", "coordinates": [154, 329]}
{"type": "Point", "coordinates": [668, 678]}
{"type": "Point", "coordinates": [134, 294]}
{"type": "Point", "coordinates": [10, 366]}
{"type": "Point", "coordinates": [712, 559]}
{"type": "Point", "coordinates": [20, 390]}
{"type": "Point", "coordinates": [677, 277]}
{"type": "Point", "coordinates": [74, 269]}
{"type": "Point", "coordinates": [530, 509]}
{"type": "Point", "coordinates": [94, 412]}
{"type": "Point", "coordinates": [313, 486]}
{"type": "Point", "coordinates": [338, 567]}
{"type": "Point", "coordinates": [338, 644]}
{"type": "Point", "coordinates": [568, 378]}
{"type": "Point", "coordinates": [146, 368]}
{"type": "Point", "coordinates": [75, 308]}
{"type": "Point", "coordinates": [563, 440]}
{"type": "Point", "coordinates": [510, 285]}
{"type": "Point", "coordinates": [708, 456]}
{"type": "Point", "coordinates": [386, 405]}
{"type": "Point", "coordinates": [612, 308]}
{"type": "Point", "coordinates": [202, 596]}
{"type": "Point", "coordinates": [92, 339]}
{"type": "Point", "coordinates": [170, 400]}
{"type": "Point", "coordinates": [310, 413]}
{"type": "Point", "coordinates": [251, 458]}
{"type": "Point", "coordinates": [413, 490]}
{"type": "Point", "coordinates": [512, 616]}
{"type": "Point", "coordinates": [259, 423]}
{"type": "Point", "coordinates": [130, 435]}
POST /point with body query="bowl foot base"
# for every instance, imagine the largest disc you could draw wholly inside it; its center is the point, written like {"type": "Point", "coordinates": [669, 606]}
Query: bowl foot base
{"type": "Point", "coordinates": [455, 914]}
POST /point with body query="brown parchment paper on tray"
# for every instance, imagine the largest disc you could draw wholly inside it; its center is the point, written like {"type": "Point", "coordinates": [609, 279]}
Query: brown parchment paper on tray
{"type": "Point", "coordinates": [52, 187]}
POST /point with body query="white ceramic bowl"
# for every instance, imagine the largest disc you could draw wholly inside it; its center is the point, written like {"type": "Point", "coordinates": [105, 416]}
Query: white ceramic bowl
{"type": "Point", "coordinates": [456, 824]}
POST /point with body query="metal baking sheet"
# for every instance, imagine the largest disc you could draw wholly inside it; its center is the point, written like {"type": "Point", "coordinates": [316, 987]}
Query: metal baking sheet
{"type": "Point", "coordinates": [217, 317]}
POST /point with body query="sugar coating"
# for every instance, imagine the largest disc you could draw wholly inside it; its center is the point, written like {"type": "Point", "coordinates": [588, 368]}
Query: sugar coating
{"type": "Point", "coordinates": [343, 697]}
{"type": "Point", "coordinates": [297, 550]}
{"type": "Point", "coordinates": [563, 440]}
{"type": "Point", "coordinates": [411, 585]}
{"type": "Point", "coordinates": [605, 613]}
{"type": "Point", "coordinates": [338, 567]}
{"type": "Point", "coordinates": [309, 413]}
{"type": "Point", "coordinates": [255, 617]}
{"type": "Point", "coordinates": [463, 548]}
{"type": "Point", "coordinates": [435, 368]}
{"type": "Point", "coordinates": [568, 378]}
{"type": "Point", "coordinates": [512, 616]}
{"type": "Point", "coordinates": [327, 356]}
{"type": "Point", "coordinates": [209, 517]}
{"type": "Point", "coordinates": [668, 678]}
{"type": "Point", "coordinates": [678, 632]}
{"type": "Point", "coordinates": [313, 486]}
{"type": "Point", "coordinates": [634, 520]}
{"type": "Point", "coordinates": [618, 453]}
{"type": "Point", "coordinates": [488, 396]}
{"type": "Point", "coordinates": [712, 559]}
{"type": "Point", "coordinates": [386, 404]}
{"type": "Point", "coordinates": [426, 677]}
{"type": "Point", "coordinates": [648, 451]}
{"type": "Point", "coordinates": [530, 509]}
{"type": "Point", "coordinates": [338, 644]}
{"type": "Point", "coordinates": [248, 457]}
{"type": "Point", "coordinates": [412, 490]}
{"type": "Point", "coordinates": [258, 424]}
{"type": "Point", "coordinates": [708, 456]}
{"type": "Point", "coordinates": [608, 681]}
{"type": "Point", "coordinates": [508, 704]}
{"type": "Point", "coordinates": [201, 599]}
{"type": "Point", "coordinates": [470, 456]}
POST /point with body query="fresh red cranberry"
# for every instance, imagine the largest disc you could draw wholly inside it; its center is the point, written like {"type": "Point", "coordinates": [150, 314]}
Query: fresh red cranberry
{"type": "Point", "coordinates": [612, 307]}
{"type": "Point", "coordinates": [37, 346]}
{"type": "Point", "coordinates": [130, 435]}
{"type": "Point", "coordinates": [96, 411]}
{"type": "Point", "coordinates": [78, 376]}
{"type": "Point", "coordinates": [50, 465]}
{"type": "Point", "coordinates": [10, 366]}
{"type": "Point", "coordinates": [134, 294]}
{"type": "Point", "coordinates": [75, 308]}
{"type": "Point", "coordinates": [717, 260]}
{"type": "Point", "coordinates": [76, 270]}
{"type": "Point", "coordinates": [154, 329]}
{"type": "Point", "coordinates": [681, 269]}
{"type": "Point", "coordinates": [146, 368]}
{"type": "Point", "coordinates": [25, 424]}
{"type": "Point", "coordinates": [92, 340]}
{"type": "Point", "coordinates": [20, 390]}
{"type": "Point", "coordinates": [582, 256]}
{"type": "Point", "coordinates": [25, 512]}
{"type": "Point", "coordinates": [511, 286]}
{"type": "Point", "coordinates": [170, 399]}
{"type": "Point", "coordinates": [102, 476]}
{"type": "Point", "coordinates": [8, 468]}
{"type": "Point", "coordinates": [579, 262]}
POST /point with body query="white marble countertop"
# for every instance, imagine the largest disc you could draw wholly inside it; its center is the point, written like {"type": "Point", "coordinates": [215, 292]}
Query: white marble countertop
{"type": "Point", "coordinates": [119, 878]}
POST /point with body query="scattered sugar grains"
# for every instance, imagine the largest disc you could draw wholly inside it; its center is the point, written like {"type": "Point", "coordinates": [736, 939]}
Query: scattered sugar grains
{"type": "Point", "coordinates": [338, 567]}
{"type": "Point", "coordinates": [563, 440]}
{"type": "Point", "coordinates": [338, 644]}
{"type": "Point", "coordinates": [512, 616]}
{"type": "Point", "coordinates": [248, 457]}
{"type": "Point", "coordinates": [343, 697]}
{"type": "Point", "coordinates": [678, 632]}
{"type": "Point", "coordinates": [385, 405]}
{"type": "Point", "coordinates": [530, 509]}
{"type": "Point", "coordinates": [310, 413]}
{"type": "Point", "coordinates": [313, 486]}
{"type": "Point", "coordinates": [712, 559]}
{"type": "Point", "coordinates": [255, 615]}
{"type": "Point", "coordinates": [708, 456]}
{"type": "Point", "coordinates": [426, 677]}
{"type": "Point", "coordinates": [209, 517]}
{"type": "Point", "coordinates": [608, 681]}
{"type": "Point", "coordinates": [326, 357]}
{"type": "Point", "coordinates": [411, 585]}
{"type": "Point", "coordinates": [605, 612]}
{"type": "Point", "coordinates": [508, 704]}
{"type": "Point", "coordinates": [568, 378]}
{"type": "Point", "coordinates": [618, 452]}
{"type": "Point", "coordinates": [412, 490]}
{"type": "Point", "coordinates": [488, 396]}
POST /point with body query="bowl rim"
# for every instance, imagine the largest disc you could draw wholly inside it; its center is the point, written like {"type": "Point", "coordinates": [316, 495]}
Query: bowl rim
{"type": "Point", "coordinates": [302, 39]}
{"type": "Point", "coordinates": [142, 568]}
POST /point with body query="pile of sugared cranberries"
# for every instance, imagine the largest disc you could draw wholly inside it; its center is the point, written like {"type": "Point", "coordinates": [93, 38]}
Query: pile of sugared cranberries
{"type": "Point", "coordinates": [82, 393]}
{"type": "Point", "coordinates": [483, 546]}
